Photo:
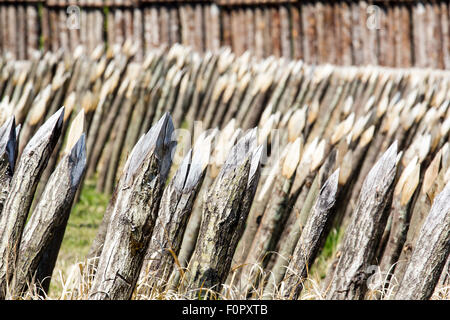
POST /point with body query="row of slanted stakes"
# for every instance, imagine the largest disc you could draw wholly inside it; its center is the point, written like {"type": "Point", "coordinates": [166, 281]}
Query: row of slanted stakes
{"type": "Point", "coordinates": [387, 33]}
{"type": "Point", "coordinates": [227, 174]}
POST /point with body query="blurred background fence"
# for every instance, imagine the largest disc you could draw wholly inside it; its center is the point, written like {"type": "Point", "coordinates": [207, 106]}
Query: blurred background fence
{"type": "Point", "coordinates": [390, 33]}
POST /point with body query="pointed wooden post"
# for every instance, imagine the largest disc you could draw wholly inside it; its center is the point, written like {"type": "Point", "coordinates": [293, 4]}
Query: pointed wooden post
{"type": "Point", "coordinates": [50, 214]}
{"type": "Point", "coordinates": [23, 185]}
{"type": "Point", "coordinates": [312, 238]}
{"type": "Point", "coordinates": [274, 217]}
{"type": "Point", "coordinates": [400, 214]}
{"type": "Point", "coordinates": [224, 215]}
{"type": "Point", "coordinates": [175, 209]}
{"type": "Point", "coordinates": [364, 232]}
{"type": "Point", "coordinates": [134, 214]}
{"type": "Point", "coordinates": [430, 254]}
{"type": "Point", "coordinates": [48, 260]}
{"type": "Point", "coordinates": [289, 242]}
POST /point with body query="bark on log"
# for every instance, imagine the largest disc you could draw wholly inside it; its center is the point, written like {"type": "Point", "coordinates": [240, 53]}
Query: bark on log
{"type": "Point", "coordinates": [134, 214]}
{"type": "Point", "coordinates": [312, 238]}
{"type": "Point", "coordinates": [50, 214]}
{"type": "Point", "coordinates": [7, 158]}
{"type": "Point", "coordinates": [23, 185]}
{"type": "Point", "coordinates": [224, 216]}
{"type": "Point", "coordinates": [368, 222]}
{"type": "Point", "coordinates": [429, 256]}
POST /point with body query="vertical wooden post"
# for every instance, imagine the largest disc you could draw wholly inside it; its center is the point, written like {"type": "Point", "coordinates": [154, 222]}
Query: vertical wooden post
{"type": "Point", "coordinates": [138, 32]}
{"type": "Point", "coordinates": [174, 25]}
{"type": "Point", "coordinates": [285, 32]}
{"type": "Point", "coordinates": [445, 24]}
{"type": "Point", "coordinates": [164, 22]}
{"type": "Point", "coordinates": [21, 34]}
{"type": "Point", "coordinates": [259, 32]}
{"type": "Point", "coordinates": [12, 27]}
{"type": "Point", "coordinates": [275, 27]}
{"type": "Point", "coordinates": [296, 32]}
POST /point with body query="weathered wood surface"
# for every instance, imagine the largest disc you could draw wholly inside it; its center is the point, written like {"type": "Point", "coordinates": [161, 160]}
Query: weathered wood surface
{"type": "Point", "coordinates": [49, 256]}
{"type": "Point", "coordinates": [176, 205]}
{"type": "Point", "coordinates": [442, 287]}
{"type": "Point", "coordinates": [350, 113]}
{"type": "Point", "coordinates": [431, 252]}
{"type": "Point", "coordinates": [275, 216]}
{"type": "Point", "coordinates": [363, 233]}
{"type": "Point", "coordinates": [290, 240]}
{"type": "Point", "coordinates": [7, 158]}
{"type": "Point", "coordinates": [400, 214]}
{"type": "Point", "coordinates": [134, 214]}
{"type": "Point", "coordinates": [432, 185]}
{"type": "Point", "coordinates": [312, 238]}
{"type": "Point", "coordinates": [224, 215]}
{"type": "Point", "coordinates": [50, 214]}
{"type": "Point", "coordinates": [399, 33]}
{"type": "Point", "coordinates": [23, 184]}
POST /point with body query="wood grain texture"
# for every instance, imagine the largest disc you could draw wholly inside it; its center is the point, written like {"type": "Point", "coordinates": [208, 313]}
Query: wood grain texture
{"type": "Point", "coordinates": [224, 215]}
{"type": "Point", "coordinates": [7, 158]}
{"type": "Point", "coordinates": [175, 209]}
{"type": "Point", "coordinates": [50, 215]}
{"type": "Point", "coordinates": [134, 214]}
{"type": "Point", "coordinates": [23, 185]}
{"type": "Point", "coordinates": [429, 256]}
{"type": "Point", "coordinates": [365, 229]}
{"type": "Point", "coordinates": [312, 238]}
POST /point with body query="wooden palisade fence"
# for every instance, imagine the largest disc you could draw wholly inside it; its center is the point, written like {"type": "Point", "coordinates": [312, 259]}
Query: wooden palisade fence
{"type": "Point", "coordinates": [391, 33]}
{"type": "Point", "coordinates": [283, 153]}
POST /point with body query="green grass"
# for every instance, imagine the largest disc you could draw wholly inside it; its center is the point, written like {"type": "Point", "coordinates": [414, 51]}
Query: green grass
{"type": "Point", "coordinates": [327, 255]}
{"type": "Point", "coordinates": [80, 232]}
{"type": "Point", "coordinates": [184, 125]}
{"type": "Point", "coordinates": [319, 269]}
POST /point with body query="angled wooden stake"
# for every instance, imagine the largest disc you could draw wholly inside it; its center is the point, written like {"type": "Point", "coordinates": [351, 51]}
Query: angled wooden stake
{"type": "Point", "coordinates": [48, 260]}
{"type": "Point", "coordinates": [8, 152]}
{"type": "Point", "coordinates": [224, 214]}
{"type": "Point", "coordinates": [366, 228]}
{"type": "Point", "coordinates": [430, 254]}
{"type": "Point", "coordinates": [312, 238]}
{"type": "Point", "coordinates": [134, 214]}
{"type": "Point", "coordinates": [23, 185]}
{"type": "Point", "coordinates": [50, 214]}
{"type": "Point", "coordinates": [175, 209]}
